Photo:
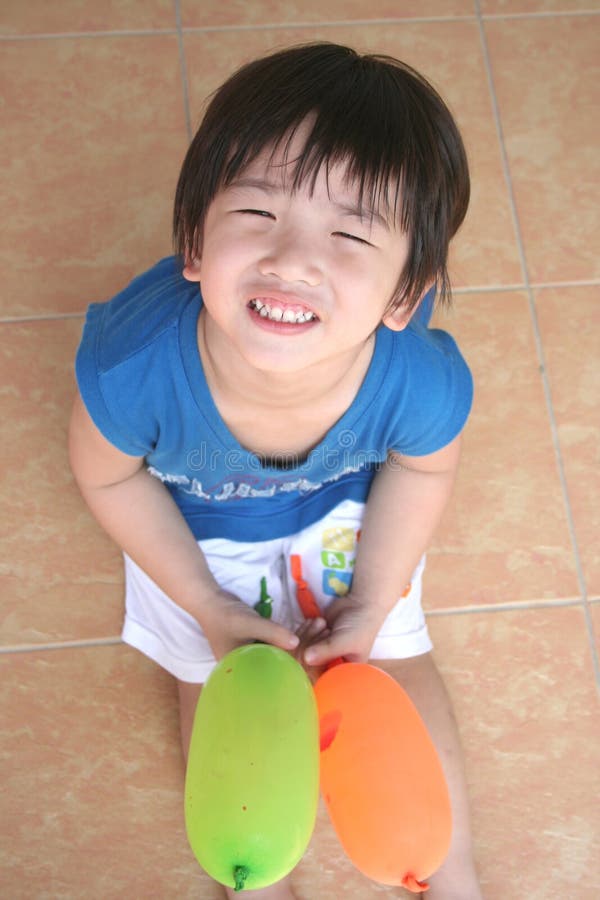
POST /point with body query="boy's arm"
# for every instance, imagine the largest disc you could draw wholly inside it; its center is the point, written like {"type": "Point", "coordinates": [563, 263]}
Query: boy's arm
{"type": "Point", "coordinates": [139, 514]}
{"type": "Point", "coordinates": [404, 507]}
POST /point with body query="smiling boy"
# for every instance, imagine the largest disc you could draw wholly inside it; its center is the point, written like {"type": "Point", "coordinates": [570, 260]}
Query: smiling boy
{"type": "Point", "coordinates": [275, 384]}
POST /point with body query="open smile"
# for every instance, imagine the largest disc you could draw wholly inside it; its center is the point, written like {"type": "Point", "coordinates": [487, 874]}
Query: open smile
{"type": "Point", "coordinates": [278, 312]}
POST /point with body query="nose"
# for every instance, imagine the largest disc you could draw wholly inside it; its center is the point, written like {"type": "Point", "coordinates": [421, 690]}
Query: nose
{"type": "Point", "coordinates": [292, 256]}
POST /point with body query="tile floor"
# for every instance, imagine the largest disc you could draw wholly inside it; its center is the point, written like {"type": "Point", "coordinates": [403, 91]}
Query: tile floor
{"type": "Point", "coordinates": [99, 99]}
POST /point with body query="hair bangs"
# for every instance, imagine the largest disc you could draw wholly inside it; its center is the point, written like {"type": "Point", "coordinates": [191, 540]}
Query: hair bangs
{"type": "Point", "coordinates": [334, 139]}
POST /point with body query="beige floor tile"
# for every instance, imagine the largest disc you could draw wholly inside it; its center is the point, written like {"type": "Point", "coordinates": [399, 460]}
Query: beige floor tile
{"type": "Point", "coordinates": [546, 76]}
{"type": "Point", "coordinates": [523, 688]}
{"type": "Point", "coordinates": [485, 250]}
{"type": "Point", "coordinates": [283, 12]}
{"type": "Point", "coordinates": [41, 17]}
{"type": "Point", "coordinates": [93, 779]}
{"type": "Point", "coordinates": [61, 577]}
{"type": "Point", "coordinates": [96, 132]}
{"type": "Point", "coordinates": [569, 321]}
{"type": "Point", "coordinates": [505, 536]}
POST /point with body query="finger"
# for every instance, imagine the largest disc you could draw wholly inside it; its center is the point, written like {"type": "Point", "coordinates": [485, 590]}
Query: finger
{"type": "Point", "coordinates": [311, 628]}
{"type": "Point", "coordinates": [273, 633]}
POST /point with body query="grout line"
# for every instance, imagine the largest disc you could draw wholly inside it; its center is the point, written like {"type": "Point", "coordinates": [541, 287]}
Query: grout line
{"type": "Point", "coordinates": [334, 23]}
{"type": "Point", "coordinates": [61, 645]}
{"type": "Point", "coordinates": [183, 69]}
{"type": "Point", "coordinates": [540, 349]}
{"type": "Point", "coordinates": [587, 610]}
{"type": "Point", "coordinates": [419, 20]}
{"type": "Point", "coordinates": [59, 35]}
{"type": "Point", "coordinates": [211, 29]}
{"type": "Point", "coordinates": [515, 606]}
{"type": "Point", "coordinates": [534, 286]}
{"type": "Point", "coordinates": [42, 317]}
{"type": "Point", "coordinates": [584, 282]}
{"type": "Point", "coordinates": [541, 15]}
{"type": "Point", "coordinates": [487, 289]}
{"type": "Point", "coordinates": [503, 154]}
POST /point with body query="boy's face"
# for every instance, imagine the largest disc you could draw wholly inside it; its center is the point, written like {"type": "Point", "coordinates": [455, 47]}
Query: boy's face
{"type": "Point", "coordinates": [294, 279]}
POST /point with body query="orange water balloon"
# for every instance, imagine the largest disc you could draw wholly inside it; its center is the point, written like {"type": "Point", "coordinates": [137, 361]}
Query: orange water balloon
{"type": "Point", "coordinates": [381, 778]}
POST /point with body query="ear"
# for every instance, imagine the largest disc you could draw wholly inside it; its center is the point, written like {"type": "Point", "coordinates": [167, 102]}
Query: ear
{"type": "Point", "coordinates": [398, 318]}
{"type": "Point", "coordinates": [192, 270]}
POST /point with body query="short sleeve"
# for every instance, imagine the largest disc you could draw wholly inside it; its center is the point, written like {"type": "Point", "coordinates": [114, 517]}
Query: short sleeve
{"type": "Point", "coordinates": [110, 396]}
{"type": "Point", "coordinates": [125, 351]}
{"type": "Point", "coordinates": [436, 395]}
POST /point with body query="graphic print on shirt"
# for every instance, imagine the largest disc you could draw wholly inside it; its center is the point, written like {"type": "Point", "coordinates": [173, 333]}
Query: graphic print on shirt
{"type": "Point", "coordinates": [338, 552]}
{"type": "Point", "coordinates": [254, 488]}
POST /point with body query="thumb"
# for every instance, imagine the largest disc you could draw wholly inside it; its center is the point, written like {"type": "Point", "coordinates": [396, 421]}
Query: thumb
{"type": "Point", "coordinates": [324, 651]}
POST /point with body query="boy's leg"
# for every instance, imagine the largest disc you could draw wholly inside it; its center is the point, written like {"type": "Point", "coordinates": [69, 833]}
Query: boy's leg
{"type": "Point", "coordinates": [188, 698]}
{"type": "Point", "coordinates": [457, 878]}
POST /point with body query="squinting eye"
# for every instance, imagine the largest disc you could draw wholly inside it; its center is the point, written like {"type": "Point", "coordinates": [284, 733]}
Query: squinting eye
{"type": "Point", "coordinates": [352, 237]}
{"type": "Point", "coordinates": [257, 212]}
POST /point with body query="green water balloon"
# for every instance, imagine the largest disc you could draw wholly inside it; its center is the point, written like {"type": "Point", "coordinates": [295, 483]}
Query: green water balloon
{"type": "Point", "coordinates": [252, 779]}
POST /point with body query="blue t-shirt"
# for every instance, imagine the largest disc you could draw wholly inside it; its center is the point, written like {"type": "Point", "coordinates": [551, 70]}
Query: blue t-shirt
{"type": "Point", "coordinates": [141, 378]}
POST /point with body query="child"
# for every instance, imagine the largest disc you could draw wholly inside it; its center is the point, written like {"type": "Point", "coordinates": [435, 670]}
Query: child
{"type": "Point", "coordinates": [270, 403]}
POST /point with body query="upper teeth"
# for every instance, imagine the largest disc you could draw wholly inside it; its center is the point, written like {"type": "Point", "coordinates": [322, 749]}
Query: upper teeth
{"type": "Point", "coordinates": [277, 314]}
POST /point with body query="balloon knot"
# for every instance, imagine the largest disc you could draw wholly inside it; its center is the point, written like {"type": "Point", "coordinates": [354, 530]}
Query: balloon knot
{"type": "Point", "coordinates": [240, 874]}
{"type": "Point", "coordinates": [411, 883]}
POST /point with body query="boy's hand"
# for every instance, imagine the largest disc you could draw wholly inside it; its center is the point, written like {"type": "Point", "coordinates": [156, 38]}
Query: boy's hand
{"type": "Point", "coordinates": [353, 627]}
{"type": "Point", "coordinates": [228, 623]}
{"type": "Point", "coordinates": [310, 631]}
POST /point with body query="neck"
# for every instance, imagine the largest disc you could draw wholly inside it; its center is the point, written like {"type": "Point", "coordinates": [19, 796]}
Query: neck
{"type": "Point", "coordinates": [229, 375]}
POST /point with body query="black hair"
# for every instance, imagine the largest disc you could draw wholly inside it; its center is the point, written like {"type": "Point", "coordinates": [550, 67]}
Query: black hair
{"type": "Point", "coordinates": [373, 113]}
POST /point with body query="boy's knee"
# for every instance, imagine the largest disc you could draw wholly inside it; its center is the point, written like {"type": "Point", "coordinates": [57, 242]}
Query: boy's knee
{"type": "Point", "coordinates": [413, 670]}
